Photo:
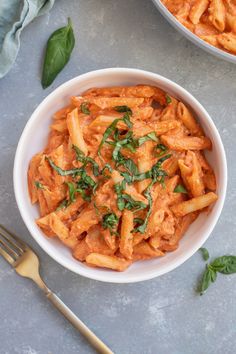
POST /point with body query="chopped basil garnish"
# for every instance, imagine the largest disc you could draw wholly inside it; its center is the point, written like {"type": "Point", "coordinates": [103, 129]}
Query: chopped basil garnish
{"type": "Point", "coordinates": [168, 99]}
{"type": "Point", "coordinates": [39, 185]}
{"type": "Point", "coordinates": [123, 109]}
{"type": "Point", "coordinates": [110, 221]}
{"type": "Point", "coordinates": [180, 189]}
{"type": "Point", "coordinates": [86, 160]}
{"type": "Point", "coordinates": [84, 108]}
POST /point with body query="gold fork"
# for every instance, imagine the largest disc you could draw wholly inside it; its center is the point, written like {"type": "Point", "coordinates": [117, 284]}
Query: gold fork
{"type": "Point", "coordinates": [26, 264]}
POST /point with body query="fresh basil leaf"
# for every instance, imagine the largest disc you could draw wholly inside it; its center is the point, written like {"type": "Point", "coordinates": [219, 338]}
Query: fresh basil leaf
{"type": "Point", "coordinates": [58, 51]}
{"type": "Point", "coordinates": [132, 204]}
{"type": "Point", "coordinates": [225, 264]}
{"type": "Point", "coordinates": [168, 99]}
{"type": "Point", "coordinates": [108, 167]}
{"type": "Point", "coordinates": [123, 109]}
{"type": "Point", "coordinates": [150, 136]}
{"type": "Point", "coordinates": [205, 253]}
{"type": "Point", "coordinates": [209, 276]}
{"type": "Point", "coordinates": [80, 156]}
{"type": "Point", "coordinates": [86, 160]}
{"type": "Point", "coordinates": [62, 205]}
{"type": "Point", "coordinates": [162, 159]}
{"type": "Point", "coordinates": [72, 191]}
{"type": "Point", "coordinates": [180, 189]}
{"type": "Point", "coordinates": [61, 172]}
{"type": "Point", "coordinates": [84, 108]}
{"type": "Point", "coordinates": [138, 221]}
{"type": "Point", "coordinates": [39, 185]}
{"type": "Point", "coordinates": [120, 203]}
{"type": "Point", "coordinates": [128, 178]}
{"type": "Point", "coordinates": [128, 164]}
{"type": "Point", "coordinates": [110, 221]}
{"type": "Point", "coordinates": [108, 132]}
{"type": "Point", "coordinates": [142, 228]}
{"type": "Point", "coordinates": [127, 121]}
{"type": "Point", "coordinates": [162, 149]}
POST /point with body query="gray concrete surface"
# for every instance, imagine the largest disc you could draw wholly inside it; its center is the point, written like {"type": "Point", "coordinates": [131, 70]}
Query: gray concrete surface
{"type": "Point", "coordinates": [161, 316]}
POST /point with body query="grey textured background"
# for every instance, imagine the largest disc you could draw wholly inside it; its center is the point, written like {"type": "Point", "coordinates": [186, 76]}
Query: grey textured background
{"type": "Point", "coordinates": [161, 316]}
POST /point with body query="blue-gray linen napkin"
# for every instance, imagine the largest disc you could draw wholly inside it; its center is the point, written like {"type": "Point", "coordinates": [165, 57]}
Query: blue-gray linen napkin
{"type": "Point", "coordinates": [14, 16]}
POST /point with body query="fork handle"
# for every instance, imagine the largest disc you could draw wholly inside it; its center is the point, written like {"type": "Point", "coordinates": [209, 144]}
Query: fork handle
{"type": "Point", "coordinates": [78, 324]}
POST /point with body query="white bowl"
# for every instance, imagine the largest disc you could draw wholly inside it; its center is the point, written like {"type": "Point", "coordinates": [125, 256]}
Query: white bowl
{"type": "Point", "coordinates": [34, 138]}
{"type": "Point", "coordinates": [191, 36]}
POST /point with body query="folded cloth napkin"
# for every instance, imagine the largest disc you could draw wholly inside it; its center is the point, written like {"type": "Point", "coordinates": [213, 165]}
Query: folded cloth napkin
{"type": "Point", "coordinates": [14, 16]}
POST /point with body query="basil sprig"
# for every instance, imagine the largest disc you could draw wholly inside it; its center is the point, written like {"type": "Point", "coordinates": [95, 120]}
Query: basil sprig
{"type": "Point", "coordinates": [59, 47]}
{"type": "Point", "coordinates": [224, 265]}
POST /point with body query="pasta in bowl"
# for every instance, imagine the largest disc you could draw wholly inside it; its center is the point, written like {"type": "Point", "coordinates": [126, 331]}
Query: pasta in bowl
{"type": "Point", "coordinates": [122, 177]}
{"type": "Point", "coordinates": [211, 24]}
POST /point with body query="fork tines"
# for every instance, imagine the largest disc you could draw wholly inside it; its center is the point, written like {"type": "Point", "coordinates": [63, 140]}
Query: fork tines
{"type": "Point", "coordinates": [10, 246]}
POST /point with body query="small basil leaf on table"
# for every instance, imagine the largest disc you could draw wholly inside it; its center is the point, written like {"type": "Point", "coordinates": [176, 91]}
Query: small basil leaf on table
{"type": "Point", "coordinates": [58, 51]}
{"type": "Point", "coordinates": [209, 276]}
{"type": "Point", "coordinates": [225, 264]}
{"type": "Point", "coordinates": [205, 253]}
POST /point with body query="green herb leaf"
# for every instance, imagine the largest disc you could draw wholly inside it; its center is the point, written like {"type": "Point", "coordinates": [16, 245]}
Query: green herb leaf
{"type": "Point", "coordinates": [168, 99]}
{"type": "Point", "coordinates": [142, 228]}
{"type": "Point", "coordinates": [180, 189]}
{"type": "Point", "coordinates": [209, 276]}
{"type": "Point", "coordinates": [84, 108]}
{"type": "Point", "coordinates": [151, 136]}
{"type": "Point", "coordinates": [127, 121]}
{"type": "Point", "coordinates": [123, 109]}
{"type": "Point", "coordinates": [138, 221]}
{"type": "Point", "coordinates": [162, 149]}
{"type": "Point", "coordinates": [205, 253]}
{"type": "Point", "coordinates": [86, 160]}
{"type": "Point", "coordinates": [61, 172]}
{"type": "Point", "coordinates": [132, 204]}
{"type": "Point", "coordinates": [108, 132]}
{"type": "Point", "coordinates": [110, 221]}
{"type": "Point", "coordinates": [58, 51]}
{"type": "Point", "coordinates": [39, 185]}
{"type": "Point", "coordinates": [72, 191]}
{"type": "Point", "coordinates": [108, 167]}
{"type": "Point", "coordinates": [62, 205]}
{"type": "Point", "coordinates": [225, 264]}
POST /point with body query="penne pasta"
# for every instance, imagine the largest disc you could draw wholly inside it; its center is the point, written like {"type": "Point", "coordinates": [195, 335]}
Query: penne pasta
{"type": "Point", "coordinates": [123, 174]}
{"type": "Point", "coordinates": [126, 236]}
{"type": "Point", "coordinates": [214, 21]}
{"type": "Point", "coordinates": [194, 204]}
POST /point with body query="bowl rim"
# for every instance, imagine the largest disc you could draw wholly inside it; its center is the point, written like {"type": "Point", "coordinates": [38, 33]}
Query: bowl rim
{"type": "Point", "coordinates": [219, 53]}
{"type": "Point", "coordinates": [86, 272]}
